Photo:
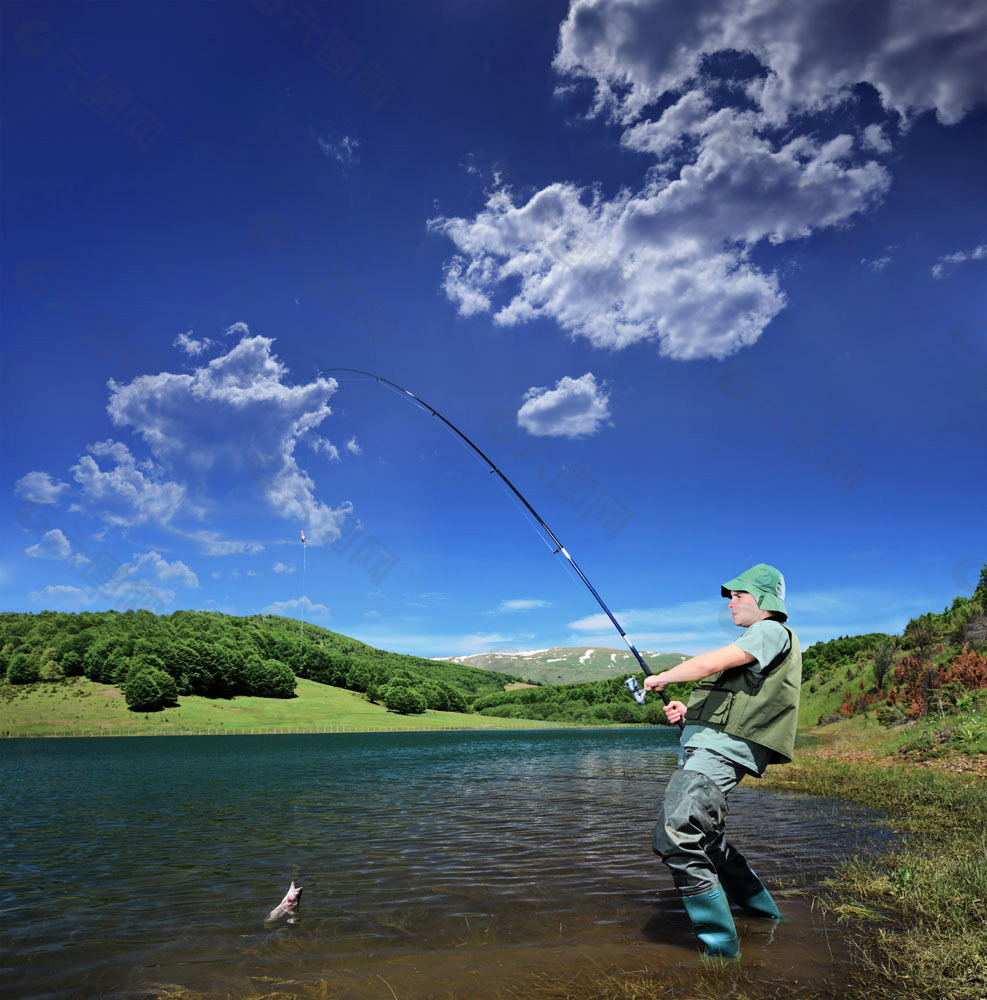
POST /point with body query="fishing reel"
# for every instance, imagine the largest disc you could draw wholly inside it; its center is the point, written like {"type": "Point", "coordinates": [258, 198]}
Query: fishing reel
{"type": "Point", "coordinates": [637, 692]}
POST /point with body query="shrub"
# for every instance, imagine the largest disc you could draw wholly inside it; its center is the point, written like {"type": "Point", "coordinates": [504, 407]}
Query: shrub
{"type": "Point", "coordinates": [268, 678]}
{"type": "Point", "coordinates": [51, 671]}
{"type": "Point", "coordinates": [149, 690]}
{"type": "Point", "coordinates": [403, 700]}
{"type": "Point", "coordinates": [624, 713]}
{"type": "Point", "coordinates": [975, 631]}
{"type": "Point", "coordinates": [891, 715]}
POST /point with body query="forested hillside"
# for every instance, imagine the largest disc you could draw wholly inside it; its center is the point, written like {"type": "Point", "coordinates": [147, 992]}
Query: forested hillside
{"type": "Point", "coordinates": [158, 658]}
{"type": "Point", "coordinates": [936, 670]}
{"type": "Point", "coordinates": [589, 703]}
{"type": "Point", "coordinates": [155, 659]}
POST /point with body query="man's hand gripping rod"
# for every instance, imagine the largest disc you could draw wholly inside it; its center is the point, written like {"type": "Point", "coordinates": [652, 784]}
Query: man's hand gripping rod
{"type": "Point", "coordinates": [636, 690]}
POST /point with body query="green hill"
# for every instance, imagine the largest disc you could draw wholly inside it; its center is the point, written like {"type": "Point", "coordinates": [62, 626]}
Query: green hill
{"type": "Point", "coordinates": [155, 660]}
{"type": "Point", "coordinates": [931, 680]}
{"type": "Point", "coordinates": [161, 666]}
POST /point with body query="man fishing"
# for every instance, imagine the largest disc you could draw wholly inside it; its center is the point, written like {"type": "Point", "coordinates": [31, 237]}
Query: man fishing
{"type": "Point", "coordinates": [741, 717]}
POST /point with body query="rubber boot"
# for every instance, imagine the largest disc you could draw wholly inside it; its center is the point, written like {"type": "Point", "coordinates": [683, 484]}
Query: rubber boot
{"type": "Point", "coordinates": [713, 922]}
{"type": "Point", "coordinates": [747, 891]}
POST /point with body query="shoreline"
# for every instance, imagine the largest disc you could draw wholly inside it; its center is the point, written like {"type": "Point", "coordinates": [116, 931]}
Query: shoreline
{"type": "Point", "coordinates": [511, 725]}
{"type": "Point", "coordinates": [916, 913]}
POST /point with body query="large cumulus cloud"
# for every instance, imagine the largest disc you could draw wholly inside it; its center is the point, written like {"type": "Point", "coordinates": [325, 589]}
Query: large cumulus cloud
{"type": "Point", "coordinates": [235, 416]}
{"type": "Point", "coordinates": [733, 103]}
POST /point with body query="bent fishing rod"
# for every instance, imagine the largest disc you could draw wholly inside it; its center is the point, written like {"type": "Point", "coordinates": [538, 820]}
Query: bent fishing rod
{"type": "Point", "coordinates": [631, 683]}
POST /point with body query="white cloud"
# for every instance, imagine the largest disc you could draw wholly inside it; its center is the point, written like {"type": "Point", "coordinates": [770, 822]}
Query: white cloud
{"type": "Point", "coordinates": [918, 57]}
{"type": "Point", "coordinates": [124, 491]}
{"type": "Point", "coordinates": [213, 544]}
{"type": "Point", "coordinates": [734, 161]}
{"type": "Point", "coordinates": [425, 644]}
{"type": "Point", "coordinates": [690, 614]}
{"type": "Point", "coordinates": [352, 447]}
{"type": "Point", "coordinates": [341, 148]}
{"type": "Point", "coordinates": [53, 545]}
{"type": "Point", "coordinates": [190, 346]}
{"type": "Point", "coordinates": [669, 264]}
{"type": "Point", "coordinates": [323, 446]}
{"type": "Point", "coordinates": [234, 416]}
{"type": "Point", "coordinates": [874, 137]}
{"type": "Point", "coordinates": [521, 604]}
{"type": "Point", "coordinates": [280, 567]}
{"type": "Point", "coordinates": [662, 642]}
{"type": "Point", "coordinates": [576, 407]}
{"type": "Point", "coordinates": [877, 264]}
{"type": "Point", "coordinates": [950, 260]}
{"type": "Point", "coordinates": [299, 607]}
{"type": "Point", "coordinates": [64, 595]}
{"type": "Point", "coordinates": [39, 487]}
{"type": "Point", "coordinates": [162, 570]}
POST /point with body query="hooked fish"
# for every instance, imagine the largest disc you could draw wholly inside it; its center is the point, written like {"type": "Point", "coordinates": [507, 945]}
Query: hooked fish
{"type": "Point", "coordinates": [287, 906]}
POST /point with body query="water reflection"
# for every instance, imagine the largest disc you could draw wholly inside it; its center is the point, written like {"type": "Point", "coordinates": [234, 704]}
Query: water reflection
{"type": "Point", "coordinates": [446, 863]}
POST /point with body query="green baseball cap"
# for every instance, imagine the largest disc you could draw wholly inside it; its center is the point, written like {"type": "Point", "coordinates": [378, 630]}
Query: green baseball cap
{"type": "Point", "coordinates": [765, 583]}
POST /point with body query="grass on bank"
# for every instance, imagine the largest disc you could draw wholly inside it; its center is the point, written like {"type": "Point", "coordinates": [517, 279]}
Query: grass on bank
{"type": "Point", "coordinates": [917, 914]}
{"type": "Point", "coordinates": [81, 704]}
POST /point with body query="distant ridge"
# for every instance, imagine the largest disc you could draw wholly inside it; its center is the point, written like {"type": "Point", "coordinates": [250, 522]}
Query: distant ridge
{"type": "Point", "coordinates": [566, 664]}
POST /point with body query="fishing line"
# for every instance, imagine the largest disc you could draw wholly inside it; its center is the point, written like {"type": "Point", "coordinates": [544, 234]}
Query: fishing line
{"type": "Point", "coordinates": [631, 682]}
{"type": "Point", "coordinates": [304, 554]}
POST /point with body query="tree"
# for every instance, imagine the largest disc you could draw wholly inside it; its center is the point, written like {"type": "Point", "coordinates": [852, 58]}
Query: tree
{"type": "Point", "coordinates": [268, 678]}
{"type": "Point", "coordinates": [359, 676]}
{"type": "Point", "coordinates": [403, 700]}
{"type": "Point", "coordinates": [71, 663]}
{"type": "Point", "coordinates": [95, 661]}
{"type": "Point", "coordinates": [884, 659]}
{"type": "Point", "coordinates": [921, 633]}
{"type": "Point", "coordinates": [980, 594]}
{"type": "Point", "coordinates": [22, 669]}
{"type": "Point", "coordinates": [457, 703]}
{"type": "Point", "coordinates": [50, 670]}
{"type": "Point", "coordinates": [149, 690]}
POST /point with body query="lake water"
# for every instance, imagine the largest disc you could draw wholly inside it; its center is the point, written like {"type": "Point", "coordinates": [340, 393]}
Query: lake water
{"type": "Point", "coordinates": [433, 864]}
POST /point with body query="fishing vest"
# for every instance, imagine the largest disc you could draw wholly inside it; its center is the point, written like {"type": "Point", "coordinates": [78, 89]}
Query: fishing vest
{"type": "Point", "coordinates": [762, 709]}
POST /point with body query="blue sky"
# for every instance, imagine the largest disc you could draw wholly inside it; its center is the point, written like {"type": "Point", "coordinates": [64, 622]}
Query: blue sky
{"type": "Point", "coordinates": [706, 281]}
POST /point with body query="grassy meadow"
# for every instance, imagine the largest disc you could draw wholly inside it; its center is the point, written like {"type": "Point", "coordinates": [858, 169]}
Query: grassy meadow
{"type": "Point", "coordinates": [79, 704]}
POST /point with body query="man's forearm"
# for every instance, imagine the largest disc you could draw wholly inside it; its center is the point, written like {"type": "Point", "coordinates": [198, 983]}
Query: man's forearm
{"type": "Point", "coordinates": [700, 667]}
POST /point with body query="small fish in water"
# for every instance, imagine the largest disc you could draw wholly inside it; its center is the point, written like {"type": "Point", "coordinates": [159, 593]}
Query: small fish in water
{"type": "Point", "coordinates": [287, 906]}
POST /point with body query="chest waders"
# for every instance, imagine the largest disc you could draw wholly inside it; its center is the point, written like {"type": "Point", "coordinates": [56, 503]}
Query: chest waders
{"type": "Point", "coordinates": [689, 835]}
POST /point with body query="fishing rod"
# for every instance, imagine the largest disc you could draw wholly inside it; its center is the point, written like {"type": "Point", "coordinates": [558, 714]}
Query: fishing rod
{"type": "Point", "coordinates": [631, 683]}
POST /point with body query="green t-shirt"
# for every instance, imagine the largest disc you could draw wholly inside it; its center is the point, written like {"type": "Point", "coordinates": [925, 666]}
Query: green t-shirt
{"type": "Point", "coordinates": [764, 640]}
